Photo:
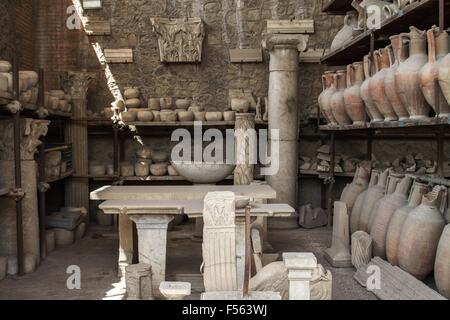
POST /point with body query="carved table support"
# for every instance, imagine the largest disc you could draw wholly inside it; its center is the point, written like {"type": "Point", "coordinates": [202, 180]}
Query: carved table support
{"type": "Point", "coordinates": [300, 272]}
{"type": "Point", "coordinates": [246, 152]}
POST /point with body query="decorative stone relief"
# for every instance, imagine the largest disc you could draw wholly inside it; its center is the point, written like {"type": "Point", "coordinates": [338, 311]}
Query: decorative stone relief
{"type": "Point", "coordinates": [361, 249]}
{"type": "Point", "coordinates": [321, 284]}
{"type": "Point", "coordinates": [77, 83]}
{"type": "Point", "coordinates": [180, 40]}
{"type": "Point", "coordinates": [219, 242]}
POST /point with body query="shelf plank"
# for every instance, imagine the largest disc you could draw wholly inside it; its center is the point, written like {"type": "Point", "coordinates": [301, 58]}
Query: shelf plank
{"type": "Point", "coordinates": [314, 173]}
{"type": "Point", "coordinates": [61, 177]}
{"type": "Point", "coordinates": [337, 7]}
{"type": "Point", "coordinates": [170, 124]}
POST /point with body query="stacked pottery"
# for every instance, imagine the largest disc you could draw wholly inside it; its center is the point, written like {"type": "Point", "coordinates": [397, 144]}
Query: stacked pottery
{"type": "Point", "coordinates": [325, 97]}
{"type": "Point", "coordinates": [354, 105]}
{"type": "Point", "coordinates": [359, 203]}
{"type": "Point", "coordinates": [399, 49]}
{"type": "Point", "coordinates": [358, 185]}
{"type": "Point", "coordinates": [394, 230]}
{"type": "Point", "coordinates": [420, 235]}
{"type": "Point", "coordinates": [373, 195]}
{"type": "Point", "coordinates": [442, 264]}
{"type": "Point", "coordinates": [383, 215]}
{"type": "Point", "coordinates": [337, 99]}
{"type": "Point", "coordinates": [407, 76]}
{"type": "Point", "coordinates": [438, 47]}
{"type": "Point", "coordinates": [371, 108]}
{"type": "Point", "coordinates": [377, 86]}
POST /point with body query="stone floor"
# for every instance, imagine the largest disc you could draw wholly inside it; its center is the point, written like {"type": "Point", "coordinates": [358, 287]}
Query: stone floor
{"type": "Point", "coordinates": [96, 255]}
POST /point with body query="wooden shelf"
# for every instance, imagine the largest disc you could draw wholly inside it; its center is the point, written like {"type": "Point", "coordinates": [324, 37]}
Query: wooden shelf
{"type": "Point", "coordinates": [314, 173]}
{"type": "Point", "coordinates": [135, 178]}
{"type": "Point", "coordinates": [61, 177]}
{"type": "Point", "coordinates": [4, 191]}
{"type": "Point", "coordinates": [423, 15]}
{"type": "Point", "coordinates": [337, 7]}
{"type": "Point", "coordinates": [170, 124]}
{"type": "Point", "coordinates": [58, 114]}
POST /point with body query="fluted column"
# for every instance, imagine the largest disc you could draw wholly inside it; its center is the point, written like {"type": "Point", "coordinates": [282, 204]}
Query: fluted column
{"type": "Point", "coordinates": [77, 189]}
{"type": "Point", "coordinates": [283, 116]}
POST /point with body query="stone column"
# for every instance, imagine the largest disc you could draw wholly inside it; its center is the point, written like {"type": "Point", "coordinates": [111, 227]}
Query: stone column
{"type": "Point", "coordinates": [300, 272]}
{"type": "Point", "coordinates": [246, 143]}
{"type": "Point", "coordinates": [138, 280]}
{"type": "Point", "coordinates": [284, 116]}
{"type": "Point", "coordinates": [31, 131]}
{"type": "Point", "coordinates": [339, 253]}
{"type": "Point", "coordinates": [152, 243]}
{"type": "Point", "coordinates": [77, 189]}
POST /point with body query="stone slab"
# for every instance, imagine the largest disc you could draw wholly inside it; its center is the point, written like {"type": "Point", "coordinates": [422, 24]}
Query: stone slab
{"type": "Point", "coordinates": [237, 295]}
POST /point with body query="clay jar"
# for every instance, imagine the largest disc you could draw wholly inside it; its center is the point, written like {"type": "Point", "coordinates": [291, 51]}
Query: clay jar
{"type": "Point", "coordinates": [377, 87]}
{"type": "Point", "coordinates": [354, 105]}
{"type": "Point", "coordinates": [358, 185]}
{"type": "Point", "coordinates": [373, 195]}
{"type": "Point", "coordinates": [371, 108]}
{"type": "Point", "coordinates": [359, 203]}
{"type": "Point", "coordinates": [337, 102]}
{"type": "Point", "coordinates": [407, 76]}
{"type": "Point", "coordinates": [142, 169]}
{"type": "Point", "coordinates": [438, 46]}
{"type": "Point", "coordinates": [394, 230]}
{"type": "Point", "coordinates": [442, 264]}
{"type": "Point", "coordinates": [325, 97]}
{"type": "Point", "coordinates": [384, 214]}
{"type": "Point", "coordinates": [420, 235]}
{"type": "Point", "coordinates": [399, 51]}
{"type": "Point", "coordinates": [444, 76]}
{"type": "Point", "coordinates": [346, 32]}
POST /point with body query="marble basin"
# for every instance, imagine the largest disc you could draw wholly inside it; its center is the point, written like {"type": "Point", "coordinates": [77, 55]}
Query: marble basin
{"type": "Point", "coordinates": [203, 172]}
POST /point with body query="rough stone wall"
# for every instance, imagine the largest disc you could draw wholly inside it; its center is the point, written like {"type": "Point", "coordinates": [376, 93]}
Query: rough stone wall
{"type": "Point", "coordinates": [5, 26]}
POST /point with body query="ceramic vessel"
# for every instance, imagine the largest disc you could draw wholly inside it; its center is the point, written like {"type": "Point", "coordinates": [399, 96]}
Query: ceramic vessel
{"type": "Point", "coordinates": [354, 105]}
{"type": "Point", "coordinates": [347, 31]}
{"type": "Point", "coordinates": [159, 169]}
{"type": "Point", "coordinates": [420, 235]}
{"type": "Point", "coordinates": [337, 102]}
{"type": "Point", "coordinates": [126, 169]}
{"type": "Point", "coordinates": [377, 86]}
{"type": "Point", "coordinates": [325, 97]}
{"type": "Point", "coordinates": [229, 115]}
{"type": "Point", "coordinates": [442, 264]}
{"type": "Point", "coordinates": [144, 152]}
{"type": "Point", "coordinates": [358, 185]}
{"type": "Point", "coordinates": [182, 103]}
{"type": "Point", "coordinates": [5, 66]}
{"type": "Point", "coordinates": [153, 104]}
{"type": "Point", "coordinates": [168, 115]}
{"type": "Point", "coordinates": [438, 48]}
{"type": "Point", "coordinates": [171, 171]}
{"type": "Point", "coordinates": [97, 169]}
{"type": "Point", "coordinates": [397, 55]}
{"type": "Point", "coordinates": [407, 76]}
{"type": "Point", "coordinates": [185, 115]}
{"type": "Point", "coordinates": [141, 169]}
{"type": "Point", "coordinates": [373, 195]}
{"type": "Point", "coordinates": [200, 116]}
{"type": "Point", "coordinates": [384, 213]}
{"type": "Point", "coordinates": [394, 230]}
{"type": "Point", "coordinates": [214, 116]}
{"type": "Point", "coordinates": [371, 108]}
{"type": "Point", "coordinates": [156, 116]}
{"type": "Point", "coordinates": [128, 116]}
{"type": "Point", "coordinates": [240, 105]}
{"type": "Point", "coordinates": [133, 103]}
{"type": "Point", "coordinates": [202, 172]}
{"type": "Point", "coordinates": [359, 203]}
{"type": "Point", "coordinates": [166, 103]}
{"type": "Point", "coordinates": [145, 115]}
{"type": "Point", "coordinates": [131, 93]}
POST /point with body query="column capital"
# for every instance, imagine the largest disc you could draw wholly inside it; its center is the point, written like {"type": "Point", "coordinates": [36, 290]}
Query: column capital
{"type": "Point", "coordinates": [298, 41]}
{"type": "Point", "coordinates": [300, 265]}
{"type": "Point", "coordinates": [146, 221]}
{"type": "Point", "coordinates": [77, 83]}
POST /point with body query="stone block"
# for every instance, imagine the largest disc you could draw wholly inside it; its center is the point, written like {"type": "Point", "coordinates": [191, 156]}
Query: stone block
{"type": "Point", "coordinates": [138, 279]}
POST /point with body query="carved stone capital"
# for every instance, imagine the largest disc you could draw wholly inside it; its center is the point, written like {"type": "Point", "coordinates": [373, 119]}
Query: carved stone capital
{"type": "Point", "coordinates": [76, 83]}
{"type": "Point", "coordinates": [31, 131]}
{"type": "Point", "coordinates": [298, 41]}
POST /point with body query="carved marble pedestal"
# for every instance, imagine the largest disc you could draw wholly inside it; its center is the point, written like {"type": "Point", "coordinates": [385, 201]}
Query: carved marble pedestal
{"type": "Point", "coordinates": [339, 253]}
{"type": "Point", "coordinates": [300, 272]}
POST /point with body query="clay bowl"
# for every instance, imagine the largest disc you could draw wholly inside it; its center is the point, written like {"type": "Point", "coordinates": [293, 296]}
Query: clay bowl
{"type": "Point", "coordinates": [131, 93]}
{"type": "Point", "coordinates": [156, 116]}
{"type": "Point", "coordinates": [185, 115]}
{"type": "Point", "coordinates": [97, 169]}
{"type": "Point", "coordinates": [166, 103]}
{"type": "Point", "coordinates": [240, 105]}
{"type": "Point", "coordinates": [128, 116]}
{"type": "Point", "coordinates": [159, 169]}
{"type": "Point", "coordinates": [133, 103]}
{"type": "Point", "coordinates": [182, 103]}
{"type": "Point", "coordinates": [126, 169]}
{"type": "Point", "coordinates": [153, 104]}
{"type": "Point", "coordinates": [200, 116]}
{"type": "Point", "coordinates": [214, 116]}
{"type": "Point", "coordinates": [160, 156]}
{"type": "Point", "coordinates": [144, 152]}
{"type": "Point", "coordinates": [168, 115]}
{"type": "Point", "coordinates": [229, 115]}
{"type": "Point", "coordinates": [141, 169]}
{"type": "Point", "coordinates": [145, 115]}
{"type": "Point", "coordinates": [203, 172]}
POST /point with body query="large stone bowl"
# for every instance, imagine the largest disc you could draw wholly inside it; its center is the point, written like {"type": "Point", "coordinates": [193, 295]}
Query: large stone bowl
{"type": "Point", "coordinates": [203, 172]}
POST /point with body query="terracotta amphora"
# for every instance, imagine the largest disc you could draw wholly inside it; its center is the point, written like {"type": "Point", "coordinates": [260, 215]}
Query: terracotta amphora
{"type": "Point", "coordinates": [442, 264]}
{"type": "Point", "coordinates": [371, 108]}
{"type": "Point", "coordinates": [407, 75]}
{"type": "Point", "coordinates": [347, 31]}
{"type": "Point", "coordinates": [420, 235]}
{"type": "Point", "coordinates": [354, 105]}
{"type": "Point", "coordinates": [383, 215]}
{"type": "Point", "coordinates": [447, 209]}
{"type": "Point", "coordinates": [399, 51]}
{"type": "Point", "coordinates": [438, 46]}
{"type": "Point", "coordinates": [394, 230]}
{"type": "Point", "coordinates": [358, 185]}
{"type": "Point", "coordinates": [376, 85]}
{"type": "Point", "coordinates": [359, 203]}
{"type": "Point", "coordinates": [444, 76]}
{"type": "Point", "coordinates": [373, 195]}
{"type": "Point", "coordinates": [325, 97]}
{"type": "Point", "coordinates": [337, 99]}
{"type": "Point", "coordinates": [392, 182]}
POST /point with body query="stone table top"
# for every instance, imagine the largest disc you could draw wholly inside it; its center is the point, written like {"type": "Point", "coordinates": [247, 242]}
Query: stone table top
{"type": "Point", "coordinates": [192, 208]}
{"type": "Point", "coordinates": [197, 192]}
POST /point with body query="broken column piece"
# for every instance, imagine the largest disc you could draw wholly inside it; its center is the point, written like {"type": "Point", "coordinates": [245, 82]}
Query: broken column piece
{"type": "Point", "coordinates": [361, 249]}
{"type": "Point", "coordinates": [138, 279]}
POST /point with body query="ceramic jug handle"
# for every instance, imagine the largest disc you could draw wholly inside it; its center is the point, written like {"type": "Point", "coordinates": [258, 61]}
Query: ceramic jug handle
{"type": "Point", "coordinates": [376, 59]}
{"type": "Point", "coordinates": [390, 55]}
{"type": "Point", "coordinates": [431, 46]}
{"type": "Point", "coordinates": [349, 75]}
{"type": "Point", "coordinates": [324, 82]}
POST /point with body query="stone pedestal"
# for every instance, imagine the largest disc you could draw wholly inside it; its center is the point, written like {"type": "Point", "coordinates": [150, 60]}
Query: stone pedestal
{"type": "Point", "coordinates": [138, 280]}
{"type": "Point", "coordinates": [246, 148]}
{"type": "Point", "coordinates": [126, 248]}
{"type": "Point", "coordinates": [152, 239]}
{"type": "Point", "coordinates": [283, 106]}
{"type": "Point", "coordinates": [300, 272]}
{"type": "Point", "coordinates": [339, 253]}
{"type": "Point", "coordinates": [31, 131]}
{"type": "Point", "coordinates": [76, 133]}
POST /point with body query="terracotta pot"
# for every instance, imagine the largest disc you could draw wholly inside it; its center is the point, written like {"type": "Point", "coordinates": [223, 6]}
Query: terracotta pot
{"type": "Point", "coordinates": [128, 116]}
{"type": "Point", "coordinates": [337, 102]}
{"type": "Point", "coordinates": [214, 116]}
{"type": "Point", "coordinates": [97, 169]}
{"type": "Point", "coordinates": [347, 31]}
{"type": "Point", "coordinates": [145, 115]}
{"type": "Point", "coordinates": [394, 230]}
{"type": "Point", "coordinates": [371, 108]}
{"type": "Point", "coordinates": [325, 96]}
{"type": "Point", "coordinates": [354, 105]}
{"type": "Point", "coordinates": [438, 48]}
{"type": "Point", "coordinates": [182, 103]}
{"type": "Point", "coordinates": [144, 152]}
{"type": "Point", "coordinates": [133, 103]}
{"type": "Point", "coordinates": [166, 103]}
{"type": "Point", "coordinates": [131, 93]}
{"type": "Point", "coordinates": [442, 264]}
{"type": "Point", "coordinates": [384, 213]}
{"type": "Point", "coordinates": [168, 115]}
{"type": "Point", "coordinates": [358, 185]}
{"type": "Point", "coordinates": [420, 235]}
{"type": "Point", "coordinates": [159, 169]}
{"type": "Point", "coordinates": [359, 203]}
{"type": "Point", "coordinates": [373, 195]}
{"type": "Point", "coordinates": [185, 115]}
{"type": "Point", "coordinates": [377, 87]}
{"type": "Point", "coordinates": [229, 115]}
{"type": "Point", "coordinates": [200, 115]}
{"type": "Point", "coordinates": [407, 76]}
{"type": "Point", "coordinates": [153, 104]}
{"type": "Point", "coordinates": [399, 50]}
{"type": "Point", "coordinates": [141, 169]}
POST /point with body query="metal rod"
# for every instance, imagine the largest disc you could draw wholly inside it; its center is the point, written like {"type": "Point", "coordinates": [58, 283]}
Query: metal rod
{"type": "Point", "coordinates": [441, 15]}
{"type": "Point", "coordinates": [369, 145]}
{"type": "Point", "coordinates": [116, 150]}
{"type": "Point", "coordinates": [331, 185]}
{"type": "Point", "coordinates": [248, 252]}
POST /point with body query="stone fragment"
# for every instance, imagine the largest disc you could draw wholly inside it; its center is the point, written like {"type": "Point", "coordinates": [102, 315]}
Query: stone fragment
{"type": "Point", "coordinates": [339, 253]}
{"type": "Point", "coordinates": [321, 284]}
{"type": "Point", "coordinates": [361, 249]}
{"type": "Point", "coordinates": [175, 290]}
{"type": "Point", "coordinates": [310, 218]}
{"type": "Point", "coordinates": [138, 279]}
{"type": "Point", "coordinates": [50, 241]}
{"type": "Point", "coordinates": [63, 237]}
{"type": "Point", "coordinates": [300, 272]}
{"type": "Point", "coordinates": [324, 149]}
{"type": "Point", "coordinates": [80, 230]}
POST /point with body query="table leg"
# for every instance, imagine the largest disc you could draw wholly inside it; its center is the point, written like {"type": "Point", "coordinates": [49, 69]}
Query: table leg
{"type": "Point", "coordinates": [125, 243]}
{"type": "Point", "coordinates": [152, 239]}
{"type": "Point", "coordinates": [240, 251]}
